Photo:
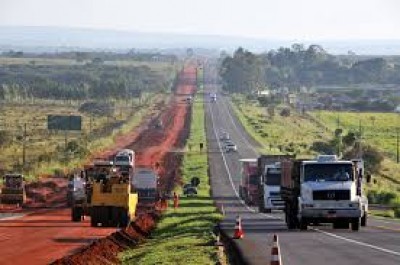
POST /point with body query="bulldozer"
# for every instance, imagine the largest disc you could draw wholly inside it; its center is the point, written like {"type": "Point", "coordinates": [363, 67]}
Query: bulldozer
{"type": "Point", "coordinates": [105, 194]}
{"type": "Point", "coordinates": [13, 190]}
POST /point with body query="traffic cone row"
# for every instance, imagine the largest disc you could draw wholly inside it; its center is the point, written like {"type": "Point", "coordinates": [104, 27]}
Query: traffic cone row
{"type": "Point", "coordinates": [238, 234]}
{"type": "Point", "coordinates": [275, 252]}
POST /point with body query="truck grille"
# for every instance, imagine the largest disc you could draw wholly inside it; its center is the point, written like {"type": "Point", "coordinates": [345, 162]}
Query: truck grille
{"type": "Point", "coordinates": [331, 195]}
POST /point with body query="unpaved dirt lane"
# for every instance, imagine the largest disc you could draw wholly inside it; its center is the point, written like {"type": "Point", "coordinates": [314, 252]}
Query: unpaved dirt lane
{"type": "Point", "coordinates": [48, 234]}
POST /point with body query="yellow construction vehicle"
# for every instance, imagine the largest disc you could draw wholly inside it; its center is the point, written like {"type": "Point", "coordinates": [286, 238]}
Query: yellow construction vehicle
{"type": "Point", "coordinates": [105, 194]}
{"type": "Point", "coordinates": [112, 202]}
{"type": "Point", "coordinates": [13, 190]}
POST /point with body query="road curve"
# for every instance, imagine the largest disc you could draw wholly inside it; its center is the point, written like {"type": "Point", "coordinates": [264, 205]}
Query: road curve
{"type": "Point", "coordinates": [379, 243]}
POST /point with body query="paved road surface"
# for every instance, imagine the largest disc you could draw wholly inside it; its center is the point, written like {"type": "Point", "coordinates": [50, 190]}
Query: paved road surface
{"type": "Point", "coordinates": [379, 243]}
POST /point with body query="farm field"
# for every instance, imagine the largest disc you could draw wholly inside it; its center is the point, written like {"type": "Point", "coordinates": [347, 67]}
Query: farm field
{"type": "Point", "coordinates": [378, 129]}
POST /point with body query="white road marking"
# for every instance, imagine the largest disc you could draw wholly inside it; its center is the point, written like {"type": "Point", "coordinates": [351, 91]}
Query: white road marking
{"type": "Point", "coordinates": [388, 251]}
{"type": "Point", "coordinates": [358, 242]}
{"type": "Point", "coordinates": [239, 131]}
{"type": "Point", "coordinates": [229, 172]}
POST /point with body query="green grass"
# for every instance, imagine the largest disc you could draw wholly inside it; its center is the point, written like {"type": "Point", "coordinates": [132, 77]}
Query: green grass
{"type": "Point", "coordinates": [277, 134]}
{"type": "Point", "coordinates": [301, 131]}
{"type": "Point", "coordinates": [41, 142]}
{"type": "Point", "coordinates": [184, 235]}
{"type": "Point", "coordinates": [378, 129]}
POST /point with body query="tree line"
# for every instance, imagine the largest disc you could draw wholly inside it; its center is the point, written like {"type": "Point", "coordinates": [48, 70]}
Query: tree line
{"type": "Point", "coordinates": [79, 82]}
{"type": "Point", "coordinates": [299, 66]}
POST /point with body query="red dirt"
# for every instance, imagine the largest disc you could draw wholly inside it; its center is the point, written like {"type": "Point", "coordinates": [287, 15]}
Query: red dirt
{"type": "Point", "coordinates": [46, 235]}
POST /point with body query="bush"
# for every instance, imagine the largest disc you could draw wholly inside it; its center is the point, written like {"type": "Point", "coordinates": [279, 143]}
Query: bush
{"type": "Point", "coordinates": [372, 157]}
{"type": "Point", "coordinates": [97, 108]}
{"type": "Point", "coordinates": [381, 197]}
{"type": "Point", "coordinates": [4, 138]}
{"type": "Point", "coordinates": [322, 148]}
{"type": "Point", "coordinates": [285, 112]}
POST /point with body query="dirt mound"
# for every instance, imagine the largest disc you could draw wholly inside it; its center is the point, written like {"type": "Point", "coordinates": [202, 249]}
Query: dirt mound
{"type": "Point", "coordinates": [105, 250]}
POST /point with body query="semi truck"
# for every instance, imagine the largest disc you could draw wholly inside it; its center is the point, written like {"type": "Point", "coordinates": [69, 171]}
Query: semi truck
{"type": "Point", "coordinates": [324, 190]}
{"type": "Point", "coordinates": [269, 172]}
{"type": "Point", "coordinates": [248, 188]}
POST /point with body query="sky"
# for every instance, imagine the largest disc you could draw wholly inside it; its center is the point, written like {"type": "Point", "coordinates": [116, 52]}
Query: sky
{"type": "Point", "coordinates": [264, 19]}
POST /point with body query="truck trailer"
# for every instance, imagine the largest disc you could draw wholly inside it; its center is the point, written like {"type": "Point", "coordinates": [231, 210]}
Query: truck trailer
{"type": "Point", "coordinates": [248, 189]}
{"type": "Point", "coordinates": [324, 190]}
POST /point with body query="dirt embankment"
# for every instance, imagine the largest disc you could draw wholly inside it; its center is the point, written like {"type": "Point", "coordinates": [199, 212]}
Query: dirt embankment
{"type": "Point", "coordinates": [152, 148]}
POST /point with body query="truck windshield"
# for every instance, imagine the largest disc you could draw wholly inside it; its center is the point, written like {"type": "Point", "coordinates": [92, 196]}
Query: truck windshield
{"type": "Point", "coordinates": [328, 172]}
{"type": "Point", "coordinates": [273, 179]}
{"type": "Point", "coordinates": [122, 158]}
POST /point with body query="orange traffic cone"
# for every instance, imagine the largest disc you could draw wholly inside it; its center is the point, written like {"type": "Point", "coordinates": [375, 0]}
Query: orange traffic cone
{"type": "Point", "coordinates": [238, 229]}
{"type": "Point", "coordinates": [176, 200]}
{"type": "Point", "coordinates": [275, 253]}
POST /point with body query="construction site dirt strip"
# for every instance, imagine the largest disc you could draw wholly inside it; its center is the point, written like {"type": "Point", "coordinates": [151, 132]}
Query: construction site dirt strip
{"type": "Point", "coordinates": [46, 234]}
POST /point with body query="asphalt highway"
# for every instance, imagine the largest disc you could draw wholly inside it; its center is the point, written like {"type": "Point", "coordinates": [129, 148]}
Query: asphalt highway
{"type": "Point", "coordinates": [378, 243]}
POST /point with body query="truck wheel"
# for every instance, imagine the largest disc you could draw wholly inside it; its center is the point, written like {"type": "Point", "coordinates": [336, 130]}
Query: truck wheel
{"type": "Point", "coordinates": [93, 217]}
{"type": "Point", "coordinates": [76, 214]}
{"type": "Point", "coordinates": [291, 223]}
{"type": "Point", "coordinates": [261, 208]}
{"type": "Point", "coordinates": [267, 210]}
{"type": "Point", "coordinates": [303, 225]}
{"type": "Point", "coordinates": [364, 219]}
{"type": "Point", "coordinates": [355, 224]}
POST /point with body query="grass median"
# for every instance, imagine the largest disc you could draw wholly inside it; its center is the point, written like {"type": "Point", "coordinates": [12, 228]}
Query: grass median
{"type": "Point", "coordinates": [184, 235]}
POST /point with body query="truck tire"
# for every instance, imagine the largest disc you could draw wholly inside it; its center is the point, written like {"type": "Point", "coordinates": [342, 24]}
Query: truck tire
{"type": "Point", "coordinates": [261, 208]}
{"type": "Point", "coordinates": [290, 221]}
{"type": "Point", "coordinates": [94, 214]}
{"type": "Point", "coordinates": [76, 214]}
{"type": "Point", "coordinates": [240, 192]}
{"type": "Point", "coordinates": [355, 224]}
{"type": "Point", "coordinates": [267, 210]}
{"type": "Point", "coordinates": [303, 225]}
{"type": "Point", "coordinates": [364, 219]}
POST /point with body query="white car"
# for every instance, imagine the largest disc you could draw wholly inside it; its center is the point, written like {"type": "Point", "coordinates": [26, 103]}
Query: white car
{"type": "Point", "coordinates": [230, 146]}
{"type": "Point", "coordinates": [223, 136]}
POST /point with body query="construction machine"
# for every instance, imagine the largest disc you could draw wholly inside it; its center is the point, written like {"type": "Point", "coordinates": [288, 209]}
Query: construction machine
{"type": "Point", "coordinates": [13, 189]}
{"type": "Point", "coordinates": [105, 194]}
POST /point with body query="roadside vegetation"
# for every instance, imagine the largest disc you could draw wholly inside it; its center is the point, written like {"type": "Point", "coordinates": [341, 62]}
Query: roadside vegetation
{"type": "Point", "coordinates": [184, 235]}
{"type": "Point", "coordinates": [307, 135]}
{"type": "Point", "coordinates": [111, 94]}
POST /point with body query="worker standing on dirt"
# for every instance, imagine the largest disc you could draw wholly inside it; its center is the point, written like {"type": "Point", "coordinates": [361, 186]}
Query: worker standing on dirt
{"type": "Point", "coordinates": [176, 200]}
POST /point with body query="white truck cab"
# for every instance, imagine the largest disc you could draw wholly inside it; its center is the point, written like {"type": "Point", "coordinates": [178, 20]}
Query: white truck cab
{"type": "Point", "coordinates": [272, 188]}
{"type": "Point", "coordinates": [325, 190]}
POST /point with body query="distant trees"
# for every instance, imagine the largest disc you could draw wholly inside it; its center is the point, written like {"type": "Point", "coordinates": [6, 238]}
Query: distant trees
{"type": "Point", "coordinates": [242, 72]}
{"type": "Point", "coordinates": [18, 82]}
{"type": "Point", "coordinates": [299, 66]}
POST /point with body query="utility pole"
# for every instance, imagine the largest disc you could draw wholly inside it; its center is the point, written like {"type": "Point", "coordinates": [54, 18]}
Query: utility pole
{"type": "Point", "coordinates": [397, 140]}
{"type": "Point", "coordinates": [24, 147]}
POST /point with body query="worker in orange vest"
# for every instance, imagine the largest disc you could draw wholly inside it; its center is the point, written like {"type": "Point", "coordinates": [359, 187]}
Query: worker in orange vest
{"type": "Point", "coordinates": [176, 200]}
